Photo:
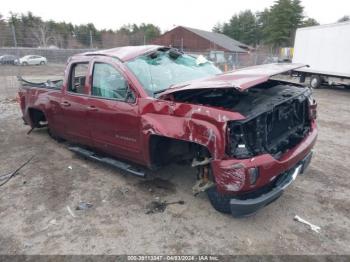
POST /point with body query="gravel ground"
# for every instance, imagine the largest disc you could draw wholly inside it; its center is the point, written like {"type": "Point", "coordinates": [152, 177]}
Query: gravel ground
{"type": "Point", "coordinates": [35, 219]}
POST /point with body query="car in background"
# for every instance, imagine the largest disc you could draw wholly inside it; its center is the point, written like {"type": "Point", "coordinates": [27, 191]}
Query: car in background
{"type": "Point", "coordinates": [33, 60]}
{"type": "Point", "coordinates": [9, 60]}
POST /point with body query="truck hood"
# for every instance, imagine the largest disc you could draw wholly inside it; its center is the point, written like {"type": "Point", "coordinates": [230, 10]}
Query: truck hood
{"type": "Point", "coordinates": [240, 79]}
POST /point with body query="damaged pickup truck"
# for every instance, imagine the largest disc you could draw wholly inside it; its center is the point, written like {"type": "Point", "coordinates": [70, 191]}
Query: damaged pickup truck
{"type": "Point", "coordinates": [247, 134]}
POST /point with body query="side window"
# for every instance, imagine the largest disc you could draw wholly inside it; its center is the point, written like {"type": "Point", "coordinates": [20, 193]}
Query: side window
{"type": "Point", "coordinates": [77, 77]}
{"type": "Point", "coordinates": [108, 82]}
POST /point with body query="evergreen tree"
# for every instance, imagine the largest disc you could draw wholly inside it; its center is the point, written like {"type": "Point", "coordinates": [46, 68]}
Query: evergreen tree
{"type": "Point", "coordinates": [274, 26]}
{"type": "Point", "coordinates": [242, 27]}
{"type": "Point", "coordinates": [309, 22]}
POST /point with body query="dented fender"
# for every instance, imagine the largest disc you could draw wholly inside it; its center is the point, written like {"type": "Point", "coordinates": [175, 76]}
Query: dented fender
{"type": "Point", "coordinates": [193, 123]}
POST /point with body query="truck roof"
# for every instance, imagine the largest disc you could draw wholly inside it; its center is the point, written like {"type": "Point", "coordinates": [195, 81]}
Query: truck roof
{"type": "Point", "coordinates": [324, 26]}
{"type": "Point", "coordinates": [125, 53]}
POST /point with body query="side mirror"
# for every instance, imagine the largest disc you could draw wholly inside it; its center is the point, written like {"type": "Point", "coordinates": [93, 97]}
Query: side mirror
{"type": "Point", "coordinates": [130, 96]}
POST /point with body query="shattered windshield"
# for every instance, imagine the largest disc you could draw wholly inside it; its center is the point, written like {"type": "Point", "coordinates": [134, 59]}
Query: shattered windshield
{"type": "Point", "coordinates": [160, 70]}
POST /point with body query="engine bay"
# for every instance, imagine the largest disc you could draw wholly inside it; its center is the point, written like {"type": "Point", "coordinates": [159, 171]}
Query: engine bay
{"type": "Point", "coordinates": [276, 114]}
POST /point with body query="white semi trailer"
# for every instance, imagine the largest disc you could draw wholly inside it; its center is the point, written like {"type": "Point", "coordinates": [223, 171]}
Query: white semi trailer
{"type": "Point", "coordinates": [326, 50]}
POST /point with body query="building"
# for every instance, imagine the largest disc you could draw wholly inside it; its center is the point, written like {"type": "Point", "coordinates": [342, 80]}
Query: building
{"type": "Point", "coordinates": [217, 47]}
{"type": "Point", "coordinates": [196, 40]}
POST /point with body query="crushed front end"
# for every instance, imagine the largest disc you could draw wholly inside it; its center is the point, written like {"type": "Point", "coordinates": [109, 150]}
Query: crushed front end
{"type": "Point", "coordinates": [267, 150]}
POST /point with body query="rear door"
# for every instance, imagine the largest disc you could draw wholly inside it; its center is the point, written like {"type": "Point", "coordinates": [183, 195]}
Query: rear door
{"type": "Point", "coordinates": [74, 104]}
{"type": "Point", "coordinates": [32, 60]}
{"type": "Point", "coordinates": [113, 112]}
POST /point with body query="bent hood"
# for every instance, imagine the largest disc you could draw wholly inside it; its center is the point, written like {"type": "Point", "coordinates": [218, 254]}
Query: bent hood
{"type": "Point", "coordinates": [240, 79]}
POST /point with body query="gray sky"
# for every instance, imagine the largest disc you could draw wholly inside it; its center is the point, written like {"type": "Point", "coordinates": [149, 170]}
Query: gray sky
{"type": "Point", "coordinates": [202, 14]}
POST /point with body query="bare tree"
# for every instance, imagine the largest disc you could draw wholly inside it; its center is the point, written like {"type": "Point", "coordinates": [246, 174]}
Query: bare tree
{"type": "Point", "coordinates": [112, 39]}
{"type": "Point", "coordinates": [42, 34]}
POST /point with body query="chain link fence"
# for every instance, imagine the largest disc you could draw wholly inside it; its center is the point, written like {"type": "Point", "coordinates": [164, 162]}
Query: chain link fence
{"type": "Point", "coordinates": [12, 48]}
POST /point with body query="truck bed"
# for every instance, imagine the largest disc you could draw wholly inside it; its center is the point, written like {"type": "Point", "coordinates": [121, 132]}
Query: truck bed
{"type": "Point", "coordinates": [49, 84]}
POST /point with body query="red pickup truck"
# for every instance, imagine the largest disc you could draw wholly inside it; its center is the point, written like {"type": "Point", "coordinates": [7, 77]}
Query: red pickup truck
{"type": "Point", "coordinates": [247, 134]}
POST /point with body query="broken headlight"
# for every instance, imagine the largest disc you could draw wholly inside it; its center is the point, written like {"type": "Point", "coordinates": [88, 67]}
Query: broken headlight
{"type": "Point", "coordinates": [236, 141]}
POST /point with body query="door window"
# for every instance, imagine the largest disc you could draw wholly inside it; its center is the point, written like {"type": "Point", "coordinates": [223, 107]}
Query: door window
{"type": "Point", "coordinates": [77, 78]}
{"type": "Point", "coordinates": [108, 82]}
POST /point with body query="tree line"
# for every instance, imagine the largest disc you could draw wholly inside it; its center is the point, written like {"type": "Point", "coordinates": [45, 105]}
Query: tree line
{"type": "Point", "coordinates": [274, 26]}
{"type": "Point", "coordinates": [28, 30]}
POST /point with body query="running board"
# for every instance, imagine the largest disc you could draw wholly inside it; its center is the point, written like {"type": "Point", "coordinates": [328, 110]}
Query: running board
{"type": "Point", "coordinates": [107, 160]}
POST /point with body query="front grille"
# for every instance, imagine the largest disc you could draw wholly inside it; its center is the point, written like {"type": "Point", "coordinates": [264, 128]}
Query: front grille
{"type": "Point", "coordinates": [273, 132]}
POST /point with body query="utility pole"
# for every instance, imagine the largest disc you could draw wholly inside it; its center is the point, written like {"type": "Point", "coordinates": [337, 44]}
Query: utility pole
{"type": "Point", "coordinates": [182, 44]}
{"type": "Point", "coordinates": [144, 39]}
{"type": "Point", "coordinates": [14, 35]}
{"type": "Point", "coordinates": [91, 46]}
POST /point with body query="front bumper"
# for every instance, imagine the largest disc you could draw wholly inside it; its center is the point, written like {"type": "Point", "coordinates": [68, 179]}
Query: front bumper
{"type": "Point", "coordinates": [232, 175]}
{"type": "Point", "coordinates": [247, 207]}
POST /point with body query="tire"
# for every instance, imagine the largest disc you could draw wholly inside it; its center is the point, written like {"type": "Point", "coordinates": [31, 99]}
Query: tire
{"type": "Point", "coordinates": [55, 137]}
{"type": "Point", "coordinates": [220, 202]}
{"type": "Point", "coordinates": [42, 63]}
{"type": "Point", "coordinates": [315, 81]}
{"type": "Point", "coordinates": [25, 63]}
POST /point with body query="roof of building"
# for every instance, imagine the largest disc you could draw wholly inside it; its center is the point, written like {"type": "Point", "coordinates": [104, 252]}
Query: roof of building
{"type": "Point", "coordinates": [126, 53]}
{"type": "Point", "coordinates": [221, 40]}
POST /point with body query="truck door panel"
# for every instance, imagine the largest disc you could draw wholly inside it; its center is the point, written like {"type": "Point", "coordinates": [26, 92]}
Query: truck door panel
{"type": "Point", "coordinates": [73, 105]}
{"type": "Point", "coordinates": [113, 116]}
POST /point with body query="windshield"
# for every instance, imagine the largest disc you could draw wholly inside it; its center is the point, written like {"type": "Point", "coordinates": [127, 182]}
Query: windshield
{"type": "Point", "coordinates": [160, 70]}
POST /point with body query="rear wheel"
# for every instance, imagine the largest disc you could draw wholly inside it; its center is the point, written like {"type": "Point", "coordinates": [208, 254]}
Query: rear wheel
{"type": "Point", "coordinates": [315, 81]}
{"type": "Point", "coordinates": [219, 201]}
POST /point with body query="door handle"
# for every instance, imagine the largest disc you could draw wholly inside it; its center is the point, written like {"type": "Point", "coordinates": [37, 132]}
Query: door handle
{"type": "Point", "coordinates": [92, 108]}
{"type": "Point", "coordinates": [65, 103]}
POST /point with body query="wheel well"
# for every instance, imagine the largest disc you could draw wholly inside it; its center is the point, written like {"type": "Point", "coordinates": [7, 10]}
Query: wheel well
{"type": "Point", "coordinates": [37, 117]}
{"type": "Point", "coordinates": [165, 150]}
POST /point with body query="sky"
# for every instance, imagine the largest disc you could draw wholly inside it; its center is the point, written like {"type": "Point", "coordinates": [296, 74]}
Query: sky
{"type": "Point", "coordinates": [201, 14]}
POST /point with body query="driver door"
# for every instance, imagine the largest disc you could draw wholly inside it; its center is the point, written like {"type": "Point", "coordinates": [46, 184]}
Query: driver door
{"type": "Point", "coordinates": [113, 113]}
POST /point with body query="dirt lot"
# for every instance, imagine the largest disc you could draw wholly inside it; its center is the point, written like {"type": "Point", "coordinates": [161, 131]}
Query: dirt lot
{"type": "Point", "coordinates": [35, 220]}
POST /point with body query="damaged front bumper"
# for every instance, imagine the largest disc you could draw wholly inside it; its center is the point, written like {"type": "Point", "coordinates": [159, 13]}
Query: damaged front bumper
{"type": "Point", "coordinates": [247, 207]}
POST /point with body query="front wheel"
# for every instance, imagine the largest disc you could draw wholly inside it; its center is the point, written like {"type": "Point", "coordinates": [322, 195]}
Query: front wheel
{"type": "Point", "coordinates": [42, 63]}
{"type": "Point", "coordinates": [219, 201]}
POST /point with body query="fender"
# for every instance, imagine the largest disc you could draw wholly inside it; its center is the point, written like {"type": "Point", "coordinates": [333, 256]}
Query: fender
{"type": "Point", "coordinates": [191, 123]}
{"type": "Point", "coordinates": [41, 104]}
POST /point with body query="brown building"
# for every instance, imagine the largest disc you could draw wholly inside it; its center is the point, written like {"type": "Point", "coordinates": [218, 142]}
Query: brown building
{"type": "Point", "coordinates": [195, 40]}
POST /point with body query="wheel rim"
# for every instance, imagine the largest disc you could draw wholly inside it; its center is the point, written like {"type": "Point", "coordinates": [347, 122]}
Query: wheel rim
{"type": "Point", "coordinates": [314, 82]}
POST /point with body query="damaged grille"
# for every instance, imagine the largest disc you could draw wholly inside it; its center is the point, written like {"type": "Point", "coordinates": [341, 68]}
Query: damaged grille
{"type": "Point", "coordinates": [272, 132]}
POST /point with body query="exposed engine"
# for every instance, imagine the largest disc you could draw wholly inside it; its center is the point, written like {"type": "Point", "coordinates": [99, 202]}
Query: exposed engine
{"type": "Point", "coordinates": [277, 116]}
